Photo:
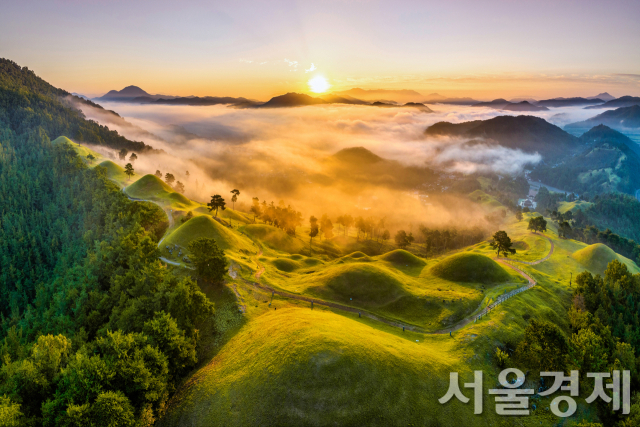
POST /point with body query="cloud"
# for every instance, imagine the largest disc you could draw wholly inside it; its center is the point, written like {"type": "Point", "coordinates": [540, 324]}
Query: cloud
{"type": "Point", "coordinates": [287, 154]}
{"type": "Point", "coordinates": [292, 64]}
{"type": "Point", "coordinates": [312, 68]}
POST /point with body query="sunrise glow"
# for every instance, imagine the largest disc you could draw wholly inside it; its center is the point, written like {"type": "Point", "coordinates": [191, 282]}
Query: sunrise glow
{"type": "Point", "coordinates": [318, 84]}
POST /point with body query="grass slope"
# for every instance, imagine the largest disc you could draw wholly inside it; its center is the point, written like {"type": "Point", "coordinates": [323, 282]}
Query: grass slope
{"type": "Point", "coordinates": [596, 257]}
{"type": "Point", "coordinates": [205, 226]}
{"type": "Point", "coordinates": [469, 267]}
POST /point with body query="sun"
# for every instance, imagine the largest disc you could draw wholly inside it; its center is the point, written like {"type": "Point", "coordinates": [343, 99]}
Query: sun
{"type": "Point", "coordinates": [318, 84]}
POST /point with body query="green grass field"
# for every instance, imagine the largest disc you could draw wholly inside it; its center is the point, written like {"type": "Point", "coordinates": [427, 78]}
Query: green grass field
{"type": "Point", "coordinates": [569, 206]}
{"type": "Point", "coordinates": [302, 366]}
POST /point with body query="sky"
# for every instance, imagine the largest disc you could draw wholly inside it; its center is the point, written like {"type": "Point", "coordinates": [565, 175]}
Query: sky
{"type": "Point", "coordinates": [258, 49]}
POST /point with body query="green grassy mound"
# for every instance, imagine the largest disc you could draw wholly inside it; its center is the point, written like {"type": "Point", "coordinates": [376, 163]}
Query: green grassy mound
{"type": "Point", "coordinates": [149, 187]}
{"type": "Point", "coordinates": [355, 257]}
{"type": "Point", "coordinates": [485, 200]}
{"type": "Point", "coordinates": [114, 171]}
{"type": "Point", "coordinates": [80, 149]}
{"type": "Point", "coordinates": [596, 257]}
{"type": "Point", "coordinates": [402, 257]}
{"type": "Point", "coordinates": [470, 267]}
{"type": "Point", "coordinates": [275, 238]}
{"type": "Point", "coordinates": [300, 359]}
{"type": "Point", "coordinates": [284, 264]}
{"type": "Point", "coordinates": [204, 226]}
{"type": "Point", "coordinates": [356, 283]}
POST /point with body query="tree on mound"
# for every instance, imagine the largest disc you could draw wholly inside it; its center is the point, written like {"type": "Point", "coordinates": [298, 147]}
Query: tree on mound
{"type": "Point", "coordinates": [91, 158]}
{"type": "Point", "coordinates": [169, 178]}
{"type": "Point", "coordinates": [217, 202]}
{"type": "Point", "coordinates": [158, 173]}
{"type": "Point", "coordinates": [179, 187]}
{"type": "Point", "coordinates": [519, 215]}
{"type": "Point", "coordinates": [537, 224]}
{"type": "Point", "coordinates": [208, 258]}
{"type": "Point", "coordinates": [234, 198]}
{"type": "Point", "coordinates": [502, 243]}
{"type": "Point", "coordinates": [128, 169]}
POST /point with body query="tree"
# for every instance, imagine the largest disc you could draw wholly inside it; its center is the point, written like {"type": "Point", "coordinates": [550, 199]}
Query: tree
{"type": "Point", "coordinates": [255, 208]}
{"type": "Point", "coordinates": [502, 243]}
{"type": "Point", "coordinates": [208, 258]}
{"type": "Point", "coordinates": [526, 210]}
{"type": "Point", "coordinates": [234, 198]}
{"type": "Point", "coordinates": [169, 178]}
{"type": "Point", "coordinates": [216, 203]}
{"type": "Point", "coordinates": [187, 174]}
{"type": "Point", "coordinates": [133, 157]}
{"type": "Point", "coordinates": [179, 187]}
{"type": "Point", "coordinates": [564, 229]}
{"type": "Point", "coordinates": [128, 170]}
{"type": "Point", "coordinates": [122, 154]}
{"type": "Point", "coordinates": [347, 222]}
{"type": "Point", "coordinates": [519, 216]}
{"type": "Point", "coordinates": [403, 239]}
{"type": "Point", "coordinates": [158, 174]}
{"type": "Point", "coordinates": [91, 158]}
{"type": "Point", "coordinates": [537, 224]}
{"type": "Point", "coordinates": [544, 347]}
{"type": "Point", "coordinates": [313, 229]}
{"type": "Point", "coordinates": [326, 226]}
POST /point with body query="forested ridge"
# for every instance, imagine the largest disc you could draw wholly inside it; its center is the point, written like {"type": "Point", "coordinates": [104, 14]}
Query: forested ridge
{"type": "Point", "coordinates": [28, 102]}
{"type": "Point", "coordinates": [95, 329]}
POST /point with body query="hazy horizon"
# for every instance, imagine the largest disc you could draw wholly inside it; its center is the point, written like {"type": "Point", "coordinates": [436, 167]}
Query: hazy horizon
{"type": "Point", "coordinates": [262, 49]}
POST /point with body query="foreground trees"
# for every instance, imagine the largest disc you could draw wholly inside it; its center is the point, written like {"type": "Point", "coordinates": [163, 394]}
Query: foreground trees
{"type": "Point", "coordinates": [208, 259]}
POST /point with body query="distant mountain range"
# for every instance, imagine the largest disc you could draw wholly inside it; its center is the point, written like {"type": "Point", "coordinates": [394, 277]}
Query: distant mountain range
{"type": "Point", "coordinates": [523, 106]}
{"type": "Point", "coordinates": [401, 95]}
{"type": "Point", "coordinates": [503, 104]}
{"type": "Point", "coordinates": [623, 101]}
{"type": "Point", "coordinates": [620, 118]}
{"type": "Point", "coordinates": [528, 133]}
{"type": "Point", "coordinates": [569, 102]}
{"type": "Point", "coordinates": [300, 99]}
{"type": "Point", "coordinates": [611, 162]}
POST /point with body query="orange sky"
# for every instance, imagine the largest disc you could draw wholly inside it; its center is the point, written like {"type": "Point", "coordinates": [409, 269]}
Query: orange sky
{"type": "Point", "coordinates": [258, 49]}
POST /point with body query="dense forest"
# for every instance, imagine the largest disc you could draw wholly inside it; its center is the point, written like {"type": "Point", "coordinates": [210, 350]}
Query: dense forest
{"type": "Point", "coordinates": [28, 102]}
{"type": "Point", "coordinates": [95, 330]}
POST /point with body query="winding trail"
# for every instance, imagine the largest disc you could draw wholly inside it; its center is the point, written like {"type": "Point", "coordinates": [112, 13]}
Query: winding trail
{"type": "Point", "coordinates": [410, 327]}
{"type": "Point", "coordinates": [364, 313]}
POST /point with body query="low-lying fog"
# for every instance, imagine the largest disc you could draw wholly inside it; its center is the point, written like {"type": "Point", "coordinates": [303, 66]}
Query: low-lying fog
{"type": "Point", "coordinates": [285, 154]}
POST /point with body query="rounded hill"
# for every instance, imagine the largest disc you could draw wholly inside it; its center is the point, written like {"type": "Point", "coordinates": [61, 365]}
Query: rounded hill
{"type": "Point", "coordinates": [114, 171]}
{"type": "Point", "coordinates": [470, 267]}
{"type": "Point", "coordinates": [365, 284]}
{"type": "Point", "coordinates": [204, 226]}
{"type": "Point", "coordinates": [147, 187]}
{"type": "Point", "coordinates": [403, 258]}
{"type": "Point", "coordinates": [596, 257]}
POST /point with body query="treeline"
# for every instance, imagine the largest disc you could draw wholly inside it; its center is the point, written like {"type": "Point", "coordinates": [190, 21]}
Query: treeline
{"type": "Point", "coordinates": [281, 216]}
{"type": "Point", "coordinates": [28, 102]}
{"type": "Point", "coordinates": [619, 212]}
{"type": "Point", "coordinates": [604, 336]}
{"type": "Point", "coordinates": [95, 330]}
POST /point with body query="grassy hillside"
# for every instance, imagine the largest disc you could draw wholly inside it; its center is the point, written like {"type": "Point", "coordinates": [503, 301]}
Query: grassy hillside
{"type": "Point", "coordinates": [596, 257]}
{"type": "Point", "coordinates": [570, 206]}
{"type": "Point", "coordinates": [468, 267]}
{"type": "Point", "coordinates": [205, 226]}
{"type": "Point", "coordinates": [294, 359]}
